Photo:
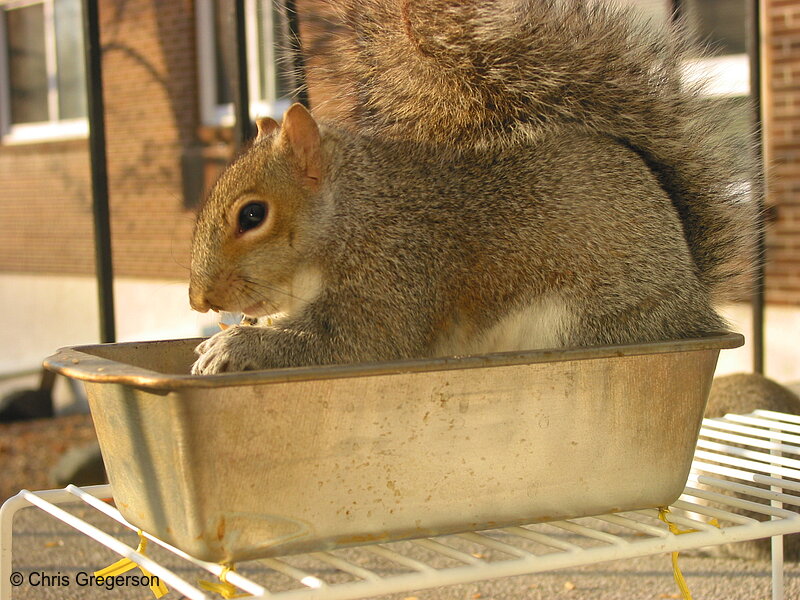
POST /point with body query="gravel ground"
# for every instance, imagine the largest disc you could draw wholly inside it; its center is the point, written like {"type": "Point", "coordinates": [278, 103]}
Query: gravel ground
{"type": "Point", "coordinates": [30, 449]}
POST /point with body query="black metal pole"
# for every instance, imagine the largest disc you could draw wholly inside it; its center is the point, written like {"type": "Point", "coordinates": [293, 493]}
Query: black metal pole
{"type": "Point", "coordinates": [244, 126]}
{"type": "Point", "coordinates": [301, 93]}
{"type": "Point", "coordinates": [97, 154]}
{"type": "Point", "coordinates": [754, 53]}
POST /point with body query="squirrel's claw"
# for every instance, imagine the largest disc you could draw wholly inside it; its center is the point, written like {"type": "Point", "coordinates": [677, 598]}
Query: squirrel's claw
{"type": "Point", "coordinates": [234, 349]}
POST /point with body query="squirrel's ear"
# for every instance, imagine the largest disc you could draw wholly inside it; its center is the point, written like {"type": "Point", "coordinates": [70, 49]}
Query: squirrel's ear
{"type": "Point", "coordinates": [299, 130]}
{"type": "Point", "coordinates": [265, 125]}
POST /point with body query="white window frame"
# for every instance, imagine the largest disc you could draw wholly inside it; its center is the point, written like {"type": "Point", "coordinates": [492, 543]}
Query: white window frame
{"type": "Point", "coordinates": [726, 76]}
{"type": "Point", "coordinates": [722, 76]}
{"type": "Point", "coordinates": [214, 114]}
{"type": "Point", "coordinates": [54, 129]}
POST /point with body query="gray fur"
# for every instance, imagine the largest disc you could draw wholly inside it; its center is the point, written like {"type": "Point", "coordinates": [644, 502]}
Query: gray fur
{"type": "Point", "coordinates": [500, 73]}
{"type": "Point", "coordinates": [504, 152]}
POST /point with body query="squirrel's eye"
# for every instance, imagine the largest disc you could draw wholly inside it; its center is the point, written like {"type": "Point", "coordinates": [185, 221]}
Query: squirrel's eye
{"type": "Point", "coordinates": [252, 215]}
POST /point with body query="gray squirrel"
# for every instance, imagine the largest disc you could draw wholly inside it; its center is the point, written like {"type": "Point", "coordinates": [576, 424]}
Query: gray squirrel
{"type": "Point", "coordinates": [513, 175]}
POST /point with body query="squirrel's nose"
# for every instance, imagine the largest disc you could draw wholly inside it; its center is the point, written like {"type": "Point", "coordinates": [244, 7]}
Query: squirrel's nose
{"type": "Point", "coordinates": [199, 302]}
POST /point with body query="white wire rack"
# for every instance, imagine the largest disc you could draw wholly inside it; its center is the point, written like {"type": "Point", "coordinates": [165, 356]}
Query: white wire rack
{"type": "Point", "coordinates": [746, 469]}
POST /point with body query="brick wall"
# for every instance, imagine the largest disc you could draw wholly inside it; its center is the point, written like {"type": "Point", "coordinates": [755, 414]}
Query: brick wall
{"type": "Point", "coordinates": [160, 159]}
{"type": "Point", "coordinates": [150, 84]}
{"type": "Point", "coordinates": [150, 79]}
{"type": "Point", "coordinates": [45, 208]}
{"type": "Point", "coordinates": [782, 149]}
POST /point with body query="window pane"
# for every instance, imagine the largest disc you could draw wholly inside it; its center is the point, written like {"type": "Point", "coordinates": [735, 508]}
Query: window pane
{"type": "Point", "coordinates": [721, 23]}
{"type": "Point", "coordinates": [265, 67]}
{"type": "Point", "coordinates": [275, 80]}
{"type": "Point", "coordinates": [70, 59]}
{"type": "Point", "coordinates": [657, 10]}
{"type": "Point", "coordinates": [225, 49]}
{"type": "Point", "coordinates": [27, 67]}
{"type": "Point", "coordinates": [284, 77]}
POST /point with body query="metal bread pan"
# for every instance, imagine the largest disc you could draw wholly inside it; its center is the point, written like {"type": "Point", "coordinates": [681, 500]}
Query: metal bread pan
{"type": "Point", "coordinates": [243, 465]}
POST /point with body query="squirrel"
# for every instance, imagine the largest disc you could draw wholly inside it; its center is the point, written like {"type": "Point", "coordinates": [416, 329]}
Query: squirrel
{"type": "Point", "coordinates": [514, 175]}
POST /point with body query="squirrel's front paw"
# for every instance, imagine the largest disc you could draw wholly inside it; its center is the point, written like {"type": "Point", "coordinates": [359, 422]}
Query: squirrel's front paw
{"type": "Point", "coordinates": [235, 349]}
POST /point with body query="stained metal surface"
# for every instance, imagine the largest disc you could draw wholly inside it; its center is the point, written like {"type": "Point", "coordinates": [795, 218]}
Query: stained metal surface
{"type": "Point", "coordinates": [165, 364]}
{"type": "Point", "coordinates": [708, 513]}
{"type": "Point", "coordinates": [244, 465]}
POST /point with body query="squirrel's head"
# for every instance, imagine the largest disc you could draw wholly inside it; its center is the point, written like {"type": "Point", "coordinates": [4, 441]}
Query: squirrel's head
{"type": "Point", "coordinates": [254, 233]}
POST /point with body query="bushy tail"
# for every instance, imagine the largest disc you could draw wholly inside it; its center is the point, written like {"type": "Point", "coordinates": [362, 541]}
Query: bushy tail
{"type": "Point", "coordinates": [481, 74]}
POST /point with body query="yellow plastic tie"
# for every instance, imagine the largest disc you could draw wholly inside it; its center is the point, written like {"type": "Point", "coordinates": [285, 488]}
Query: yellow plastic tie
{"type": "Point", "coordinates": [124, 565]}
{"type": "Point", "coordinates": [676, 571]}
{"type": "Point", "coordinates": [223, 588]}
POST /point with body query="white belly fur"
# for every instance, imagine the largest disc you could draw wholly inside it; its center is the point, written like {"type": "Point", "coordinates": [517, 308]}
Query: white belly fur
{"type": "Point", "coordinates": [542, 324]}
